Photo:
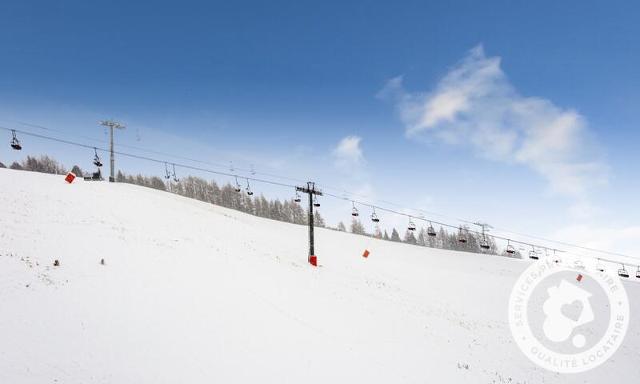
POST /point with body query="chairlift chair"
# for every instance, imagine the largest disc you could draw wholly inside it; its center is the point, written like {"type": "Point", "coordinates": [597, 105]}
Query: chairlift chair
{"type": "Point", "coordinates": [484, 244]}
{"type": "Point", "coordinates": [411, 226]}
{"type": "Point", "coordinates": [533, 254]}
{"type": "Point", "coordinates": [96, 158]}
{"type": "Point", "coordinates": [599, 266]}
{"type": "Point", "coordinates": [316, 203]}
{"type": "Point", "coordinates": [237, 188]}
{"type": "Point", "coordinates": [175, 178]}
{"type": "Point", "coordinates": [638, 273]}
{"type": "Point", "coordinates": [15, 143]}
{"type": "Point", "coordinates": [510, 249]}
{"type": "Point", "coordinates": [461, 237]}
{"type": "Point", "coordinates": [167, 175]}
{"type": "Point", "coordinates": [622, 272]}
{"type": "Point", "coordinates": [374, 216]}
{"type": "Point", "coordinates": [297, 199]}
{"type": "Point", "coordinates": [430, 230]}
{"type": "Point", "coordinates": [354, 210]}
{"type": "Point", "coordinates": [249, 191]}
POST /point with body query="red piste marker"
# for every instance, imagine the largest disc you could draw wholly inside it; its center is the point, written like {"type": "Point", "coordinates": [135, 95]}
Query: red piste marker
{"type": "Point", "coordinates": [365, 254]}
{"type": "Point", "coordinates": [70, 177]}
{"type": "Point", "coordinates": [579, 278]}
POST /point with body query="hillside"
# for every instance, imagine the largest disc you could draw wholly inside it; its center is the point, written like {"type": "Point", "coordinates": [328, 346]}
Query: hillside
{"type": "Point", "coordinates": [195, 293]}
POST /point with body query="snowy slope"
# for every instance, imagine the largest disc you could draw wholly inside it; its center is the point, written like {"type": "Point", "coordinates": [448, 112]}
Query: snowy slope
{"type": "Point", "coordinates": [195, 293]}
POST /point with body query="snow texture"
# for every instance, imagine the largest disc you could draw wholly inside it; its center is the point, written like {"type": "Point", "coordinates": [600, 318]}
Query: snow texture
{"type": "Point", "coordinates": [195, 293]}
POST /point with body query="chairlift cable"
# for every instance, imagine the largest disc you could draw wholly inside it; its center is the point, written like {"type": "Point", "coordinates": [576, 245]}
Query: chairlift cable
{"type": "Point", "coordinates": [612, 253]}
{"type": "Point", "coordinates": [276, 183]}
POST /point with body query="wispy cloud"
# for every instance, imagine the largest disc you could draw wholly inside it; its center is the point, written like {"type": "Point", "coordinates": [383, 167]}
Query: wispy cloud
{"type": "Point", "coordinates": [348, 152]}
{"type": "Point", "coordinates": [474, 104]}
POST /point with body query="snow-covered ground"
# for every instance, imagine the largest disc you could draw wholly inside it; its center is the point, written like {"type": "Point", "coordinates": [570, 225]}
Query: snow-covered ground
{"type": "Point", "coordinates": [195, 293]}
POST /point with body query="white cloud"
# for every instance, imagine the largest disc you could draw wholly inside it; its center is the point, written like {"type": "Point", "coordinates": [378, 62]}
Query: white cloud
{"type": "Point", "coordinates": [475, 104]}
{"type": "Point", "coordinates": [348, 153]}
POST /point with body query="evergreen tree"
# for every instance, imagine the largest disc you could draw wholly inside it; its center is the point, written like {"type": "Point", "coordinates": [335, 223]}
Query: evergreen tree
{"type": "Point", "coordinates": [248, 205]}
{"type": "Point", "coordinates": [157, 183]}
{"type": "Point", "coordinates": [43, 164]}
{"type": "Point", "coordinates": [422, 237]}
{"type": "Point", "coordinates": [299, 215]}
{"type": "Point", "coordinates": [318, 221]}
{"type": "Point", "coordinates": [357, 227]}
{"type": "Point", "coordinates": [395, 236]}
{"type": "Point", "coordinates": [385, 236]}
{"type": "Point", "coordinates": [214, 194]}
{"type": "Point", "coordinates": [15, 165]}
{"type": "Point", "coordinates": [432, 241]}
{"type": "Point", "coordinates": [376, 233]}
{"type": "Point", "coordinates": [77, 171]}
{"type": "Point", "coordinates": [262, 206]}
{"type": "Point", "coordinates": [410, 238]}
{"type": "Point", "coordinates": [341, 227]}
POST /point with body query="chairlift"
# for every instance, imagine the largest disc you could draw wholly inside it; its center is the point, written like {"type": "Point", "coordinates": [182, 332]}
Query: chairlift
{"type": "Point", "coordinates": [354, 210]}
{"type": "Point", "coordinates": [599, 266]}
{"type": "Point", "coordinates": [237, 188]}
{"type": "Point", "coordinates": [297, 199]}
{"type": "Point", "coordinates": [533, 254]}
{"type": "Point", "coordinates": [484, 243]}
{"type": "Point", "coordinates": [167, 175]}
{"type": "Point", "coordinates": [622, 272]}
{"type": "Point", "coordinates": [96, 158]}
{"type": "Point", "coordinates": [15, 143]}
{"type": "Point", "coordinates": [175, 178]}
{"type": "Point", "coordinates": [430, 230]}
{"type": "Point", "coordinates": [316, 203]}
{"type": "Point", "coordinates": [374, 216]}
{"type": "Point", "coordinates": [510, 249]}
{"type": "Point", "coordinates": [461, 236]}
{"type": "Point", "coordinates": [556, 259]}
{"type": "Point", "coordinates": [249, 191]}
{"type": "Point", "coordinates": [638, 273]}
{"type": "Point", "coordinates": [411, 226]}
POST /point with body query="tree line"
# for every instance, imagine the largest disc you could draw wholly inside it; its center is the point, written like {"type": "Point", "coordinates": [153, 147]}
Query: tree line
{"type": "Point", "coordinates": [43, 164]}
{"type": "Point", "coordinates": [226, 196]}
{"type": "Point", "coordinates": [288, 210]}
{"type": "Point", "coordinates": [442, 240]}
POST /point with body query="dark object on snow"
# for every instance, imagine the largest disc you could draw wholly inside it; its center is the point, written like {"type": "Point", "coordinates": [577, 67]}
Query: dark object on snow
{"type": "Point", "coordinates": [102, 261]}
{"type": "Point", "coordinates": [95, 176]}
{"type": "Point", "coordinates": [56, 263]}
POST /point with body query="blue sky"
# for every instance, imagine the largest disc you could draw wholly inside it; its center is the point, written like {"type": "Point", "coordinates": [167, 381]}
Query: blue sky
{"type": "Point", "coordinates": [281, 84]}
